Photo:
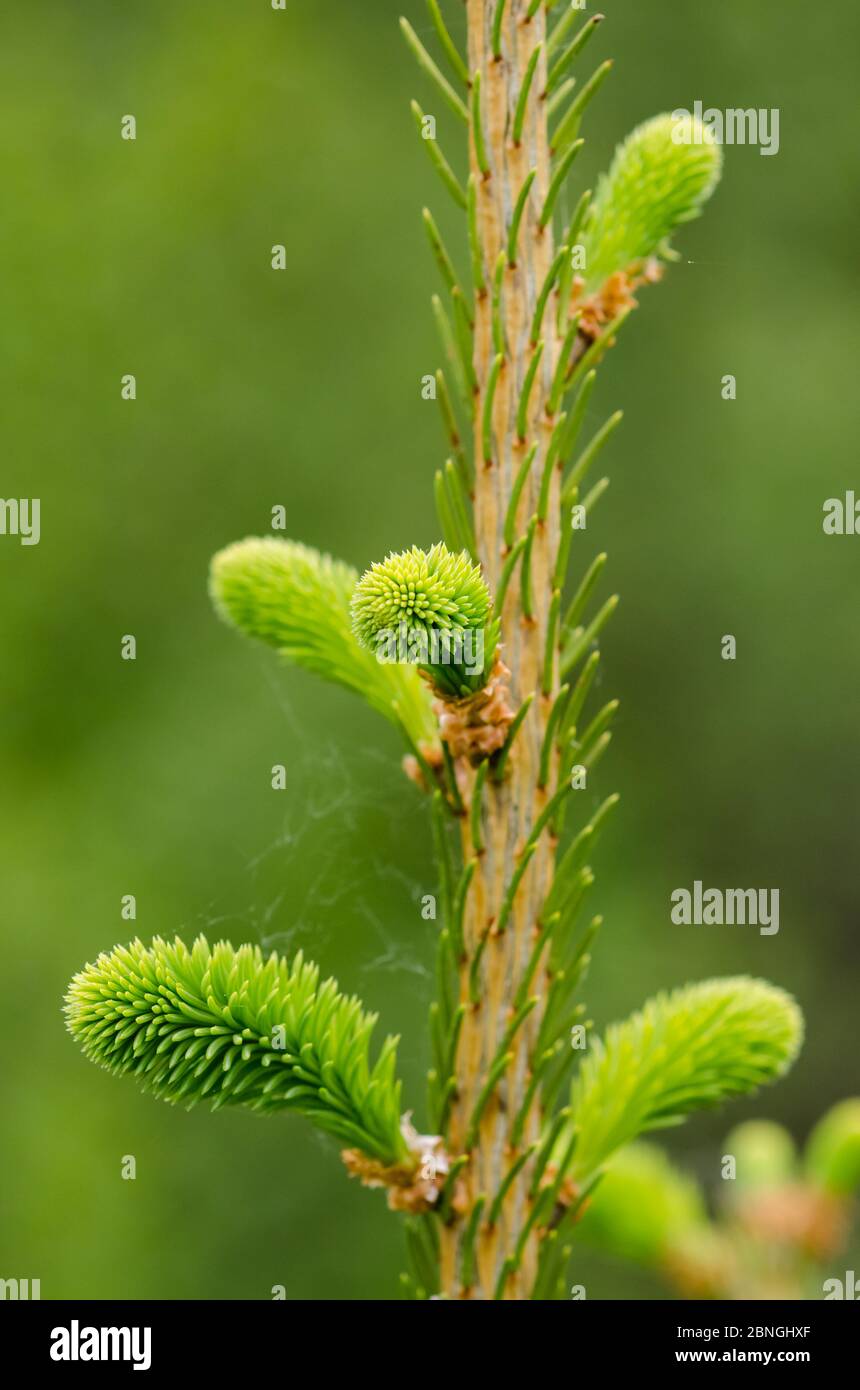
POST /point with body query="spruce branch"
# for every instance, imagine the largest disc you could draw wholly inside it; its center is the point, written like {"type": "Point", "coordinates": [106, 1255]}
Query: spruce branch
{"type": "Point", "coordinates": [232, 1027]}
{"type": "Point", "coordinates": [296, 600]}
{"type": "Point", "coordinates": [420, 637]}
{"type": "Point", "coordinates": [693, 1048]}
{"type": "Point", "coordinates": [661, 176]}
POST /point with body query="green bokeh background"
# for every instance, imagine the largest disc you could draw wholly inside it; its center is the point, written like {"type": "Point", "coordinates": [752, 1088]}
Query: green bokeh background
{"type": "Point", "coordinates": [302, 388]}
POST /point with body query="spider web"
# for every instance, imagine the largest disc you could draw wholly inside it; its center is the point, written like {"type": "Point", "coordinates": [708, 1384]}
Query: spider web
{"type": "Point", "coordinates": [314, 879]}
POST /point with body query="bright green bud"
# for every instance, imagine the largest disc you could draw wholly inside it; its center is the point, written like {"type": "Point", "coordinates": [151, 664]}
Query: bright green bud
{"type": "Point", "coordinates": [233, 1028]}
{"type": "Point", "coordinates": [832, 1156]}
{"type": "Point", "coordinates": [641, 1206]}
{"type": "Point", "coordinates": [661, 176]}
{"type": "Point", "coordinates": [297, 600]}
{"type": "Point", "coordinates": [431, 609]}
{"type": "Point", "coordinates": [764, 1155]}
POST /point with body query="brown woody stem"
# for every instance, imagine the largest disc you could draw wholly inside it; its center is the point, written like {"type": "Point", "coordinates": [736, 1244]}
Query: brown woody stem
{"type": "Point", "coordinates": [504, 1258]}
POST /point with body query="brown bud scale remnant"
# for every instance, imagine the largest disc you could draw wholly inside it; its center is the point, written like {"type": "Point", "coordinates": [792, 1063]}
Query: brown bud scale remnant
{"type": "Point", "coordinates": [476, 726]}
{"type": "Point", "coordinates": [414, 1185]}
{"type": "Point", "coordinates": [613, 297]}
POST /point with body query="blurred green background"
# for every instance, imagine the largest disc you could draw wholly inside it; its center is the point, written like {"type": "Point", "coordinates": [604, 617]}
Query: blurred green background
{"type": "Point", "coordinates": [302, 388]}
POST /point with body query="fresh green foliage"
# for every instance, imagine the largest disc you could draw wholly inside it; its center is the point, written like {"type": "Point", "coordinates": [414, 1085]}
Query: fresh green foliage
{"type": "Point", "coordinates": [431, 608]}
{"type": "Point", "coordinates": [231, 1027]}
{"type": "Point", "coordinates": [297, 600]}
{"type": "Point", "coordinates": [832, 1156]}
{"type": "Point", "coordinates": [776, 1227]}
{"type": "Point", "coordinates": [764, 1154]}
{"type": "Point", "coordinates": [234, 1028]}
{"type": "Point", "coordinates": [641, 1204]}
{"type": "Point", "coordinates": [683, 1051]}
{"type": "Point", "coordinates": [661, 176]}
